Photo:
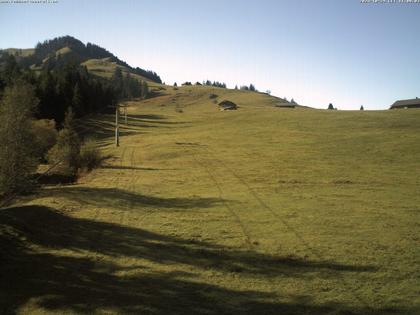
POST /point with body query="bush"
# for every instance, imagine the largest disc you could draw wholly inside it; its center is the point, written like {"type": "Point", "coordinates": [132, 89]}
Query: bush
{"type": "Point", "coordinates": [66, 152]}
{"type": "Point", "coordinates": [90, 155]}
{"type": "Point", "coordinates": [45, 136]}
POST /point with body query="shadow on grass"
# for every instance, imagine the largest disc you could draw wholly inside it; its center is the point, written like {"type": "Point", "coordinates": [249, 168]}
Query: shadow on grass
{"type": "Point", "coordinates": [153, 119]}
{"type": "Point", "coordinates": [148, 117]}
{"type": "Point", "coordinates": [53, 179]}
{"type": "Point", "coordinates": [123, 199]}
{"type": "Point", "coordinates": [78, 283]}
{"type": "Point", "coordinates": [123, 167]}
{"type": "Point", "coordinates": [103, 128]}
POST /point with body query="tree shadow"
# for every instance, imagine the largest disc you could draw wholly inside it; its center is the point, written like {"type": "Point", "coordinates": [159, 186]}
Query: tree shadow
{"type": "Point", "coordinates": [124, 167]}
{"type": "Point", "coordinates": [148, 116]}
{"type": "Point", "coordinates": [62, 282]}
{"type": "Point", "coordinates": [104, 128]}
{"type": "Point", "coordinates": [123, 199]}
{"type": "Point", "coordinates": [152, 119]}
{"type": "Point", "coordinates": [117, 240]}
{"type": "Point", "coordinates": [53, 179]}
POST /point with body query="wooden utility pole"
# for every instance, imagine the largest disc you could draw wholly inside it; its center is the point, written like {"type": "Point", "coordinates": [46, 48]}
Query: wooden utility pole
{"type": "Point", "coordinates": [117, 127]}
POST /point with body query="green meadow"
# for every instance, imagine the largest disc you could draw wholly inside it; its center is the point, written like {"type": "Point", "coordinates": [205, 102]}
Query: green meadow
{"type": "Point", "coordinates": [262, 210]}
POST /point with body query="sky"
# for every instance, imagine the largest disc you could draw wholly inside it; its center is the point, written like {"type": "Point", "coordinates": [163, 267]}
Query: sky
{"type": "Point", "coordinates": [317, 52]}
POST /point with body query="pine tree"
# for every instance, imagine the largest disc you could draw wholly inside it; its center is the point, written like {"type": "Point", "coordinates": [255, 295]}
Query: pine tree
{"type": "Point", "coordinates": [117, 82]}
{"type": "Point", "coordinates": [129, 86]}
{"type": "Point", "coordinates": [330, 106]}
{"type": "Point", "coordinates": [144, 90]}
{"type": "Point", "coordinates": [11, 69]}
{"type": "Point", "coordinates": [77, 101]}
{"type": "Point", "coordinates": [362, 108]}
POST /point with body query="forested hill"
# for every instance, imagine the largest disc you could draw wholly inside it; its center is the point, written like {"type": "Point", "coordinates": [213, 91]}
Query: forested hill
{"type": "Point", "coordinates": [62, 50]}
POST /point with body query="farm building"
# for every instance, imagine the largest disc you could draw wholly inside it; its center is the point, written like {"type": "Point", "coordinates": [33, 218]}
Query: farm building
{"type": "Point", "coordinates": [412, 103]}
{"type": "Point", "coordinates": [227, 105]}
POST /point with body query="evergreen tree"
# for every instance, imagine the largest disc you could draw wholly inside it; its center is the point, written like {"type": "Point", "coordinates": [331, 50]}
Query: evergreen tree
{"type": "Point", "coordinates": [47, 95]}
{"type": "Point", "coordinates": [64, 86]}
{"type": "Point", "coordinates": [361, 107]}
{"type": "Point", "coordinates": [77, 101]}
{"type": "Point", "coordinates": [330, 106]}
{"type": "Point", "coordinates": [17, 154]}
{"type": "Point", "coordinates": [117, 82]}
{"type": "Point", "coordinates": [144, 90]}
{"type": "Point", "coordinates": [10, 72]}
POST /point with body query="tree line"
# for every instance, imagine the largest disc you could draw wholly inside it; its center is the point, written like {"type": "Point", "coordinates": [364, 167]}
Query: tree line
{"type": "Point", "coordinates": [60, 88]}
{"type": "Point", "coordinates": [127, 87]}
{"type": "Point", "coordinates": [251, 87]}
{"type": "Point", "coordinates": [72, 85]}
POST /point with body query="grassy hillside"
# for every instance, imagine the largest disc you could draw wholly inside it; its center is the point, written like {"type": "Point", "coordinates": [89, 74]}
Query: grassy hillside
{"type": "Point", "coordinates": [105, 68]}
{"type": "Point", "coordinates": [19, 52]}
{"type": "Point", "coordinates": [261, 210]}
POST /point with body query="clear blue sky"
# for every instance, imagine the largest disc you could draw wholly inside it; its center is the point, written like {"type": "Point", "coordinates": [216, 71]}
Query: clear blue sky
{"type": "Point", "coordinates": [316, 51]}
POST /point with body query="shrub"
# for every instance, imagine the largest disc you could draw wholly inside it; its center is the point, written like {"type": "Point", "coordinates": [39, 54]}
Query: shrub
{"type": "Point", "coordinates": [90, 155]}
{"type": "Point", "coordinates": [45, 136]}
{"type": "Point", "coordinates": [66, 152]}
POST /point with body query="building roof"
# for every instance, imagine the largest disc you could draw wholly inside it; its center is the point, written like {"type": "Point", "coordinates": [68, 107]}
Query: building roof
{"type": "Point", "coordinates": [415, 102]}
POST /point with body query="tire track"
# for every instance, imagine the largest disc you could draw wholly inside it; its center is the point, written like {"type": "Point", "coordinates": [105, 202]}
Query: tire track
{"type": "Point", "coordinates": [309, 248]}
{"type": "Point", "coordinates": [98, 235]}
{"type": "Point", "coordinates": [232, 212]}
{"type": "Point", "coordinates": [133, 186]}
{"type": "Point", "coordinates": [114, 182]}
{"type": "Point", "coordinates": [264, 205]}
{"type": "Point", "coordinates": [124, 210]}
